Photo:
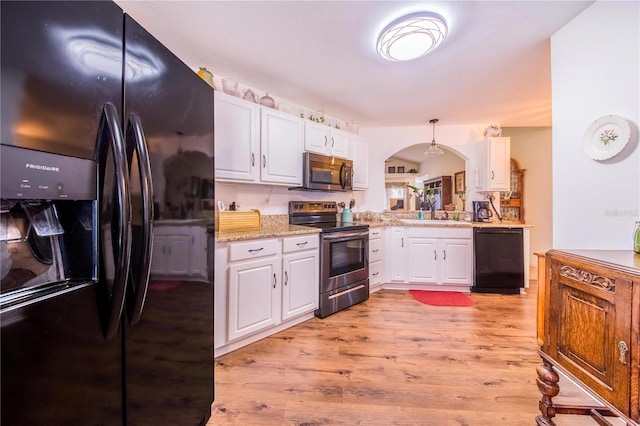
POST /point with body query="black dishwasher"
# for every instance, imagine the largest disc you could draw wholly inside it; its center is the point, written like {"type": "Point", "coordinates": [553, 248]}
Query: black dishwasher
{"type": "Point", "coordinates": [498, 261]}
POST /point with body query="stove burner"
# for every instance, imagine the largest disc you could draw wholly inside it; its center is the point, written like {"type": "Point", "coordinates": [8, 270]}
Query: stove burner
{"type": "Point", "coordinates": [320, 214]}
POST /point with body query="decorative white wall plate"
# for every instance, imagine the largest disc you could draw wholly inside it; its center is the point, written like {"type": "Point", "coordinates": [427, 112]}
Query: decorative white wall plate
{"type": "Point", "coordinates": [606, 137]}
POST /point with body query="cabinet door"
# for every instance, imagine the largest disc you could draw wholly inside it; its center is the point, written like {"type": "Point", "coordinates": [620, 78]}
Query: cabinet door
{"type": "Point", "coordinates": [236, 139]}
{"type": "Point", "coordinates": [198, 257]}
{"type": "Point", "coordinates": [316, 137]}
{"type": "Point", "coordinates": [280, 148]}
{"type": "Point", "coordinates": [360, 157]}
{"type": "Point", "coordinates": [158, 255]}
{"type": "Point", "coordinates": [397, 255]}
{"type": "Point", "coordinates": [178, 255]}
{"type": "Point", "coordinates": [254, 302]}
{"type": "Point", "coordinates": [171, 252]}
{"type": "Point", "coordinates": [300, 283]}
{"type": "Point", "coordinates": [589, 320]}
{"type": "Point", "coordinates": [423, 260]}
{"type": "Point", "coordinates": [499, 164]}
{"type": "Point", "coordinates": [456, 261]}
{"type": "Point", "coordinates": [340, 144]}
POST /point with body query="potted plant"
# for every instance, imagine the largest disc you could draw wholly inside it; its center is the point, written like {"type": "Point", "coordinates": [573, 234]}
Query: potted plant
{"type": "Point", "coordinates": [426, 197]}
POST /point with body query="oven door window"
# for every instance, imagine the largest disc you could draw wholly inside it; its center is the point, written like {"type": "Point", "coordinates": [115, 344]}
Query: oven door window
{"type": "Point", "coordinates": [347, 256]}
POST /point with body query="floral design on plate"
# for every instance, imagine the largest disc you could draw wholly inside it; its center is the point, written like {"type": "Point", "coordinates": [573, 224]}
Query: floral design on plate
{"type": "Point", "coordinates": [606, 137]}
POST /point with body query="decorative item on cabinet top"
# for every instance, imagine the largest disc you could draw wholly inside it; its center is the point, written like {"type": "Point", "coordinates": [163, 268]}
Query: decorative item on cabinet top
{"type": "Point", "coordinates": [232, 87]}
{"type": "Point", "coordinates": [267, 101]}
{"type": "Point", "coordinates": [492, 131]}
{"type": "Point", "coordinates": [206, 75]}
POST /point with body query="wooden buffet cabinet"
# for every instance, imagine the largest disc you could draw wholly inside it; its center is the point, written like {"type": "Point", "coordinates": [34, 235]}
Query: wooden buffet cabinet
{"type": "Point", "coordinates": [591, 333]}
{"type": "Point", "coordinates": [442, 188]}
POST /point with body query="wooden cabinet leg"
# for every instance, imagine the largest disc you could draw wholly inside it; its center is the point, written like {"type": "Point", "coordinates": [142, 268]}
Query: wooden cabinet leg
{"type": "Point", "coordinates": [548, 385]}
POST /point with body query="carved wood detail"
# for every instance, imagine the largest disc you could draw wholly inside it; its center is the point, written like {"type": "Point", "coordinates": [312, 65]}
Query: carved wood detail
{"type": "Point", "coordinates": [588, 278]}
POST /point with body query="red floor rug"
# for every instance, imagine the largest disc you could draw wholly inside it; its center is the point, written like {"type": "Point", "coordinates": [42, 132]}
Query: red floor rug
{"type": "Point", "coordinates": [442, 298]}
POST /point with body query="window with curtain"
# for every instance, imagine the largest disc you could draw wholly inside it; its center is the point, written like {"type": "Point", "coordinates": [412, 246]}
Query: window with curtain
{"type": "Point", "coordinates": [397, 196]}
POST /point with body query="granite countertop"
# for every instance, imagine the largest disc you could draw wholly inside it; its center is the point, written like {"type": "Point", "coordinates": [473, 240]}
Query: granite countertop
{"type": "Point", "coordinates": [271, 230]}
{"type": "Point", "coordinates": [280, 229]}
{"type": "Point", "coordinates": [443, 223]}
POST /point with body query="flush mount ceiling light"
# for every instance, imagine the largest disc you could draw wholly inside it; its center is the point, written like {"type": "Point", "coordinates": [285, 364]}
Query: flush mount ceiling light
{"type": "Point", "coordinates": [433, 150]}
{"type": "Point", "coordinates": [411, 36]}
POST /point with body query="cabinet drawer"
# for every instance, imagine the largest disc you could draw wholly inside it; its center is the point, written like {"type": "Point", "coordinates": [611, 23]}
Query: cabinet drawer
{"type": "Point", "coordinates": [375, 250]}
{"type": "Point", "coordinates": [375, 233]}
{"type": "Point", "coordinates": [303, 242]}
{"type": "Point", "coordinates": [375, 273]}
{"type": "Point", "coordinates": [253, 249]}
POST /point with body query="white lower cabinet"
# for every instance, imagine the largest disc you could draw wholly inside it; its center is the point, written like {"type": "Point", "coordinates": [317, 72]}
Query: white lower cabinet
{"type": "Point", "coordinates": [397, 258]}
{"type": "Point", "coordinates": [376, 258]}
{"type": "Point", "coordinates": [179, 252]}
{"type": "Point", "coordinates": [431, 255]}
{"type": "Point", "coordinates": [264, 286]}
{"type": "Point", "coordinates": [423, 259]}
{"type": "Point", "coordinates": [253, 296]}
{"type": "Point", "coordinates": [456, 266]}
{"type": "Point", "coordinates": [300, 275]}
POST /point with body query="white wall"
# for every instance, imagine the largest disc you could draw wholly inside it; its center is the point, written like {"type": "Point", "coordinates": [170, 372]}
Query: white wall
{"type": "Point", "coordinates": [274, 199]}
{"type": "Point", "coordinates": [531, 148]}
{"type": "Point", "coordinates": [595, 70]}
{"type": "Point", "coordinates": [444, 165]}
{"type": "Point", "coordinates": [386, 141]}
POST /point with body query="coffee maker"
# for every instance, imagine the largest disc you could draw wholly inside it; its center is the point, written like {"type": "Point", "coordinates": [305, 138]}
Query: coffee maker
{"type": "Point", "coordinates": [481, 211]}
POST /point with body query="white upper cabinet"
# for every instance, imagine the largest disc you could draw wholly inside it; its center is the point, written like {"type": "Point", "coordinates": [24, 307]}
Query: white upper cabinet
{"type": "Point", "coordinates": [255, 144]}
{"type": "Point", "coordinates": [340, 143]}
{"type": "Point", "coordinates": [360, 157]}
{"type": "Point", "coordinates": [494, 156]}
{"type": "Point", "coordinates": [323, 139]}
{"type": "Point", "coordinates": [236, 133]}
{"type": "Point", "coordinates": [281, 142]}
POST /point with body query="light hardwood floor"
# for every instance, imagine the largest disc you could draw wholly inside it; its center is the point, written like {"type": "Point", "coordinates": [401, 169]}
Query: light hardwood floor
{"type": "Point", "coordinates": [391, 361]}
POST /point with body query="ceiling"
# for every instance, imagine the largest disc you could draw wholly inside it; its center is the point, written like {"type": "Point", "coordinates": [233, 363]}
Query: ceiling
{"type": "Point", "coordinates": [493, 68]}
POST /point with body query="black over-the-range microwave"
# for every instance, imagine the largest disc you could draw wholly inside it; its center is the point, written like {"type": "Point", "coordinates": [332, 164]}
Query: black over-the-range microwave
{"type": "Point", "coordinates": [322, 172]}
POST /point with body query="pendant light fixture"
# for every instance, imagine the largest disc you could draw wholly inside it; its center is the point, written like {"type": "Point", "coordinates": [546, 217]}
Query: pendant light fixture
{"type": "Point", "coordinates": [433, 150]}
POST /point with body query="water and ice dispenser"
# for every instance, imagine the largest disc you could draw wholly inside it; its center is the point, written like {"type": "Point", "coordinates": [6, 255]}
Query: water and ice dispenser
{"type": "Point", "coordinates": [47, 222]}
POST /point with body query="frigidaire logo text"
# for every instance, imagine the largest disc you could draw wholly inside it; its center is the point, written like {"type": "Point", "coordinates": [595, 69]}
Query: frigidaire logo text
{"type": "Point", "coordinates": [42, 167]}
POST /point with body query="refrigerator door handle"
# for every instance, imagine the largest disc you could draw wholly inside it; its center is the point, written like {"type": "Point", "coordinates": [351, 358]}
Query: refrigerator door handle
{"type": "Point", "coordinates": [146, 185]}
{"type": "Point", "coordinates": [123, 242]}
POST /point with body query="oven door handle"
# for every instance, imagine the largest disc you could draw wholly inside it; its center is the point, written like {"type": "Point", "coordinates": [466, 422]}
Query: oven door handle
{"type": "Point", "coordinates": [343, 236]}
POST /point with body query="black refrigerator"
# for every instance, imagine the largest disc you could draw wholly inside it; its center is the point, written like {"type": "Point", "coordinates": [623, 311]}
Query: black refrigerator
{"type": "Point", "coordinates": [107, 152]}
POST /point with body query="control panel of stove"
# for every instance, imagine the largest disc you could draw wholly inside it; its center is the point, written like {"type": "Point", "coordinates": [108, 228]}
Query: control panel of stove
{"type": "Point", "coordinates": [311, 207]}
